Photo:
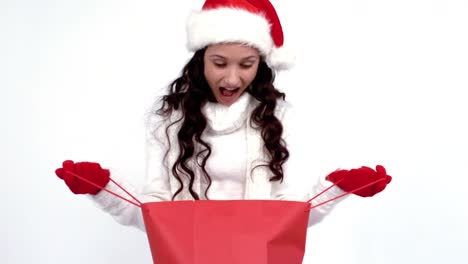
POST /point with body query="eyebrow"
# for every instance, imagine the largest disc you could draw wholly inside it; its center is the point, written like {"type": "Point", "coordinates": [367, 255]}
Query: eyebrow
{"type": "Point", "coordinates": [215, 56]}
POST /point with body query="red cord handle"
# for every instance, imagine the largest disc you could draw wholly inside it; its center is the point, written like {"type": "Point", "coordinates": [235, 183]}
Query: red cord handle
{"type": "Point", "coordinates": [137, 203]}
{"type": "Point", "coordinates": [339, 196]}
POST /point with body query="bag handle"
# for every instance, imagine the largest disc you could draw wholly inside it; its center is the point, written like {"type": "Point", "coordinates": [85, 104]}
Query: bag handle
{"type": "Point", "coordinates": [137, 203]}
{"type": "Point", "coordinates": [341, 195]}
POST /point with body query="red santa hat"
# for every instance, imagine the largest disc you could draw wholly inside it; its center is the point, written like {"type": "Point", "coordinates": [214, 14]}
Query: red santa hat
{"type": "Point", "coordinates": [253, 22]}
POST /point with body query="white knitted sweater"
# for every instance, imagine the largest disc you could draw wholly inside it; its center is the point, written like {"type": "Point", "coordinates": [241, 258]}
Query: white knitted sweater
{"type": "Point", "coordinates": [237, 148]}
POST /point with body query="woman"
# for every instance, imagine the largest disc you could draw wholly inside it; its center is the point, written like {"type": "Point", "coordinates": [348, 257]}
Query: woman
{"type": "Point", "coordinates": [223, 131]}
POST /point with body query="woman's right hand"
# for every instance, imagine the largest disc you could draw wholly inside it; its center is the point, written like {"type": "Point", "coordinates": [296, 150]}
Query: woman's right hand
{"type": "Point", "coordinates": [91, 171]}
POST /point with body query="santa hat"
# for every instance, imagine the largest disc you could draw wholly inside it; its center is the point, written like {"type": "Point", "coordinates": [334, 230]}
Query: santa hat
{"type": "Point", "coordinates": [253, 22]}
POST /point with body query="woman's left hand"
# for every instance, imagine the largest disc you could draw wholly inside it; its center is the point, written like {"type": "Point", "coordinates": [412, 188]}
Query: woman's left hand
{"type": "Point", "coordinates": [349, 180]}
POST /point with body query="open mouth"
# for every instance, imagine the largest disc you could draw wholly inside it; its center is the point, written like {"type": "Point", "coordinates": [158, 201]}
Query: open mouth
{"type": "Point", "coordinates": [228, 92]}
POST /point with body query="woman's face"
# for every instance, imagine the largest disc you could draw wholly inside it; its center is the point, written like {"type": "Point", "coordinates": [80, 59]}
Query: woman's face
{"type": "Point", "coordinates": [229, 70]}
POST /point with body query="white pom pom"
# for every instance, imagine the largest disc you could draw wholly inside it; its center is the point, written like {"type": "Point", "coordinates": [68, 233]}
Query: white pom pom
{"type": "Point", "coordinates": [281, 58]}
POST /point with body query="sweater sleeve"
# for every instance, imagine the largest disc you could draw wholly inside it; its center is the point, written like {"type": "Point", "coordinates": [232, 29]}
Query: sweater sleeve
{"type": "Point", "coordinates": [156, 187]}
{"type": "Point", "coordinates": [299, 183]}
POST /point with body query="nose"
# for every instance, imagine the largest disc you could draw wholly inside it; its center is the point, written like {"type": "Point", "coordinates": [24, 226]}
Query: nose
{"type": "Point", "coordinates": [233, 78]}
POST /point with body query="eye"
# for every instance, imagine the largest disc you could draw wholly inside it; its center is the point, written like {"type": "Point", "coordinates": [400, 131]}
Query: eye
{"type": "Point", "coordinates": [246, 65]}
{"type": "Point", "coordinates": [219, 65]}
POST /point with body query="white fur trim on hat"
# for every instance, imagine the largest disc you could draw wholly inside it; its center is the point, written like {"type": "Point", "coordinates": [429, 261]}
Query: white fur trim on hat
{"type": "Point", "coordinates": [225, 25]}
{"type": "Point", "coordinates": [231, 25]}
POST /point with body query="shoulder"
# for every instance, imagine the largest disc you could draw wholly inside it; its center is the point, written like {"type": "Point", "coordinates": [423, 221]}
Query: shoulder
{"type": "Point", "coordinates": [158, 125]}
{"type": "Point", "coordinates": [283, 109]}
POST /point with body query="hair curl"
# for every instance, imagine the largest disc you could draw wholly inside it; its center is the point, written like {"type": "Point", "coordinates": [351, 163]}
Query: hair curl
{"type": "Point", "coordinates": [190, 91]}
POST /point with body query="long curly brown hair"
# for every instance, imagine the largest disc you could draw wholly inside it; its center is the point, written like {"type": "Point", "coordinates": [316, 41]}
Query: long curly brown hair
{"type": "Point", "coordinates": [190, 91]}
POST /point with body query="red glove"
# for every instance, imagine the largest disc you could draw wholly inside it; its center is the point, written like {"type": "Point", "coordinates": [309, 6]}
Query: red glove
{"type": "Point", "coordinates": [355, 178]}
{"type": "Point", "coordinates": [89, 170]}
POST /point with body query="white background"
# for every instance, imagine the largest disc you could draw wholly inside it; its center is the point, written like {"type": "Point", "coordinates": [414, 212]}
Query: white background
{"type": "Point", "coordinates": [377, 82]}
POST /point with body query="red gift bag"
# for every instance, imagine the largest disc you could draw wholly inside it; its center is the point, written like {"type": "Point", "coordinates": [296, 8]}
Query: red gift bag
{"type": "Point", "coordinates": [227, 231]}
{"type": "Point", "coordinates": [231, 232]}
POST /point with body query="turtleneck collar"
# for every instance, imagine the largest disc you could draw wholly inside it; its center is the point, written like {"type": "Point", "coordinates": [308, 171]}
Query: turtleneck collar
{"type": "Point", "coordinates": [222, 119]}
